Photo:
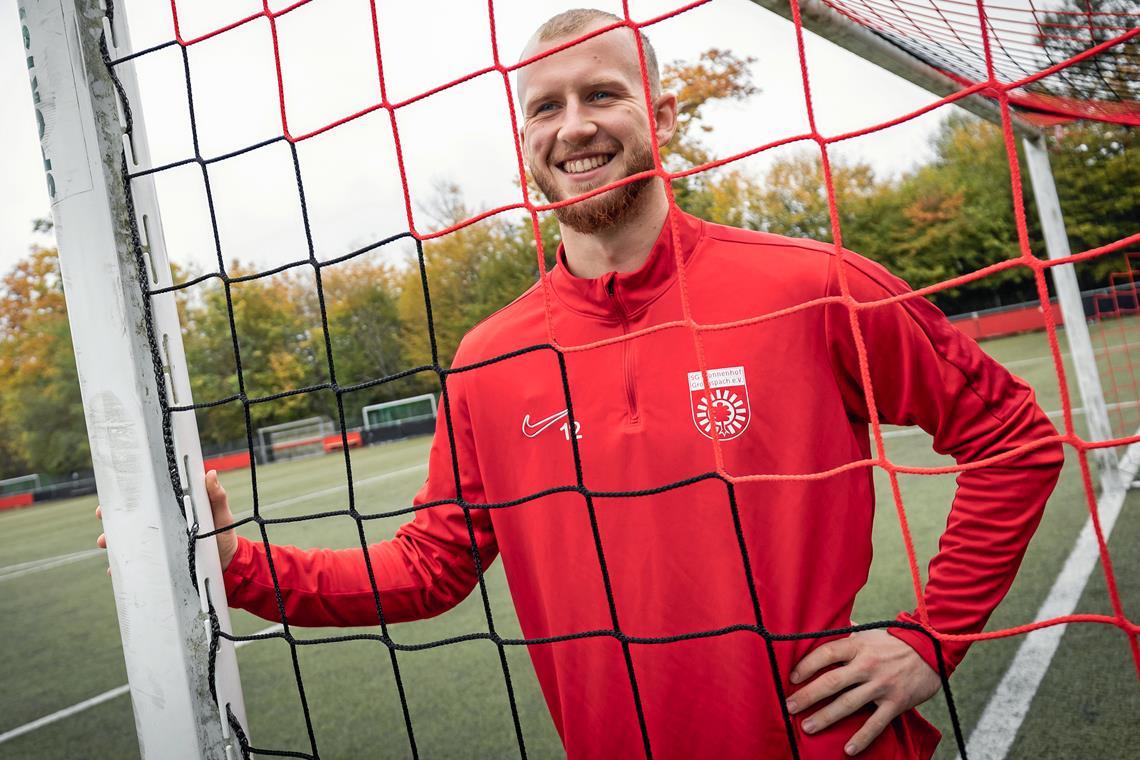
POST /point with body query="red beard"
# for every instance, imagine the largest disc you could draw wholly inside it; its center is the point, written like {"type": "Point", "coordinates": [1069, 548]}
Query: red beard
{"type": "Point", "coordinates": [608, 209]}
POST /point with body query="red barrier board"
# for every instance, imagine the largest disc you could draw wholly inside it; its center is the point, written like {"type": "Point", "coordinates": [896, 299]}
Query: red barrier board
{"type": "Point", "coordinates": [16, 500]}
{"type": "Point", "coordinates": [333, 442]}
{"type": "Point", "coordinates": [235, 461]}
{"type": "Point", "coordinates": [995, 324]}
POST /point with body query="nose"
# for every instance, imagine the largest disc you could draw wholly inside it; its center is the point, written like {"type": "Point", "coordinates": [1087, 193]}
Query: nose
{"type": "Point", "coordinates": [577, 126]}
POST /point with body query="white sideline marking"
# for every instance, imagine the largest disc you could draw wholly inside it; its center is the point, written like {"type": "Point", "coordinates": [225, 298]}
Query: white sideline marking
{"type": "Point", "coordinates": [1009, 704]}
{"type": "Point", "coordinates": [98, 699]}
{"type": "Point", "coordinates": [1055, 413]}
{"type": "Point", "coordinates": [1049, 357]}
{"type": "Point", "coordinates": [33, 566]}
{"type": "Point", "coordinates": [333, 489]}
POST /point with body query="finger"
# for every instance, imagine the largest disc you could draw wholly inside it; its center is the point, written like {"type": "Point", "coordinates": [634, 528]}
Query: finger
{"type": "Point", "coordinates": [101, 542]}
{"type": "Point", "coordinates": [99, 512]}
{"type": "Point", "coordinates": [214, 490]}
{"type": "Point", "coordinates": [829, 654]}
{"type": "Point", "coordinates": [108, 572]}
{"type": "Point", "coordinates": [844, 705]}
{"type": "Point", "coordinates": [874, 726]}
{"type": "Point", "coordinates": [830, 683]}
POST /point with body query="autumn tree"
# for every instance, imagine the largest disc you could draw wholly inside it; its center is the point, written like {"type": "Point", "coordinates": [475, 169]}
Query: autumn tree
{"type": "Point", "coordinates": [41, 411]}
{"type": "Point", "coordinates": [1073, 26]}
{"type": "Point", "coordinates": [725, 194]}
{"type": "Point", "coordinates": [274, 341]}
{"type": "Point", "coordinates": [1097, 171]}
{"type": "Point", "coordinates": [472, 272]}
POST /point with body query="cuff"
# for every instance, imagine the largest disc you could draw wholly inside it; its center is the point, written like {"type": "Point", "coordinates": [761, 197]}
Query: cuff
{"type": "Point", "coordinates": [925, 644]}
{"type": "Point", "coordinates": [240, 569]}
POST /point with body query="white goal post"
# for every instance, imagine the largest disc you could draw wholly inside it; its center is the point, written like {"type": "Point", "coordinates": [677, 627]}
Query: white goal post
{"type": "Point", "coordinates": [20, 484]}
{"type": "Point", "coordinates": [816, 16]}
{"type": "Point", "coordinates": [163, 621]}
{"type": "Point", "coordinates": [297, 438]}
{"type": "Point", "coordinates": [422, 407]}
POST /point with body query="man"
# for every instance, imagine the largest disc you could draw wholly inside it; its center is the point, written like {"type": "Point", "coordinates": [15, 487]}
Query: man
{"type": "Point", "coordinates": [612, 549]}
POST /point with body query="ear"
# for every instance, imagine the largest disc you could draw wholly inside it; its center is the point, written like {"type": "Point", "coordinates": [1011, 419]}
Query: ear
{"type": "Point", "coordinates": [665, 114]}
{"type": "Point", "coordinates": [523, 148]}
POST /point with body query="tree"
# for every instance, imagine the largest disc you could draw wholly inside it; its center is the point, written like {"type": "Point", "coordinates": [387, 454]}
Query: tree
{"type": "Point", "coordinates": [276, 344]}
{"type": "Point", "coordinates": [362, 308]}
{"type": "Point", "coordinates": [722, 195]}
{"type": "Point", "coordinates": [1077, 25]}
{"type": "Point", "coordinates": [472, 272]}
{"type": "Point", "coordinates": [41, 411]}
{"type": "Point", "coordinates": [1097, 170]}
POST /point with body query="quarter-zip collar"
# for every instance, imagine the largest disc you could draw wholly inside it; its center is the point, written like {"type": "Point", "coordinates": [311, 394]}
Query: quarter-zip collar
{"type": "Point", "coordinates": [619, 295]}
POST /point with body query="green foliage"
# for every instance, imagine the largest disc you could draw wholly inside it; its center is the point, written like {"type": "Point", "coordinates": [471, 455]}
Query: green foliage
{"type": "Point", "coordinates": [1072, 27]}
{"type": "Point", "coordinates": [948, 217]}
{"type": "Point", "coordinates": [472, 272]}
{"type": "Point", "coordinates": [1097, 170]}
{"type": "Point", "coordinates": [41, 414]}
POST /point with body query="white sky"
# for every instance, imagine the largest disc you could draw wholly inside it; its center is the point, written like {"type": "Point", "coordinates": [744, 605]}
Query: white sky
{"type": "Point", "coordinates": [462, 135]}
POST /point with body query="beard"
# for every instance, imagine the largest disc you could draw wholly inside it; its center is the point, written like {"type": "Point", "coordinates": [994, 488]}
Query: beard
{"type": "Point", "coordinates": [604, 211]}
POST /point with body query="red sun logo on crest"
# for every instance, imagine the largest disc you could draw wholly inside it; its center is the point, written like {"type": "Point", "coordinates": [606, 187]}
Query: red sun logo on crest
{"type": "Point", "coordinates": [725, 404]}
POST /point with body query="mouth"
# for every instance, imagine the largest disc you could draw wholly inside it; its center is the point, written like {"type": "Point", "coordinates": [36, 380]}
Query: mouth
{"type": "Point", "coordinates": [584, 165]}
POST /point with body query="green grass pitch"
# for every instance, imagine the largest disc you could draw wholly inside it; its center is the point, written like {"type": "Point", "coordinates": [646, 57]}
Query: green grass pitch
{"type": "Point", "coordinates": [61, 639]}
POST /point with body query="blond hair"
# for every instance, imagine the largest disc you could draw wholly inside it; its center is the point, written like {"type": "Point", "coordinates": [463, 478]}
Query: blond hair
{"type": "Point", "coordinates": [572, 22]}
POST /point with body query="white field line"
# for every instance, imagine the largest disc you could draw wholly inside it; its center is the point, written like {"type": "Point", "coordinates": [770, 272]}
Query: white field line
{"type": "Point", "coordinates": [1049, 357]}
{"type": "Point", "coordinates": [98, 699]}
{"type": "Point", "coordinates": [1009, 704]}
{"type": "Point", "coordinates": [10, 572]}
{"type": "Point", "coordinates": [35, 565]}
{"type": "Point", "coordinates": [909, 431]}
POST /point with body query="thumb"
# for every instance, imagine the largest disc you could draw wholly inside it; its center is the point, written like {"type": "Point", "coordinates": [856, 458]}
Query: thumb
{"type": "Point", "coordinates": [219, 501]}
{"type": "Point", "coordinates": [220, 507]}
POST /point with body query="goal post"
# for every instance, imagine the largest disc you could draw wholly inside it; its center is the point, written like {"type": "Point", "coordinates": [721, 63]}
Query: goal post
{"type": "Point", "coordinates": [147, 459]}
{"type": "Point", "coordinates": [819, 17]}
{"type": "Point", "coordinates": [403, 410]}
{"type": "Point", "coordinates": [20, 484]}
{"type": "Point", "coordinates": [294, 439]}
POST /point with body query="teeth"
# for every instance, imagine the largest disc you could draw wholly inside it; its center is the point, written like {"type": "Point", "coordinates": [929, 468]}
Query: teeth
{"type": "Point", "coordinates": [579, 165]}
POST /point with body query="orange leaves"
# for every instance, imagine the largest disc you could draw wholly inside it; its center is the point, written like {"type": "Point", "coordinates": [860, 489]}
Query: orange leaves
{"type": "Point", "coordinates": [716, 75]}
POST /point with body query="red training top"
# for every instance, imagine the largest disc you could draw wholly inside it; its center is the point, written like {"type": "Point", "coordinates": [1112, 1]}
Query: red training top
{"type": "Point", "coordinates": [786, 396]}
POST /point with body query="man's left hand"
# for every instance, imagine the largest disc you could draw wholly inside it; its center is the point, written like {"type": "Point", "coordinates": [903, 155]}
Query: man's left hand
{"type": "Point", "coordinates": [874, 667]}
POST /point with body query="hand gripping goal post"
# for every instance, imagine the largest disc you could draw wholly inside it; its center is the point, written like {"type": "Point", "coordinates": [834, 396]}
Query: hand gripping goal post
{"type": "Point", "coordinates": [148, 463]}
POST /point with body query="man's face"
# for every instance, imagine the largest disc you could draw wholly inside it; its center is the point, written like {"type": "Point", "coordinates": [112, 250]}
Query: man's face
{"type": "Point", "coordinates": [585, 126]}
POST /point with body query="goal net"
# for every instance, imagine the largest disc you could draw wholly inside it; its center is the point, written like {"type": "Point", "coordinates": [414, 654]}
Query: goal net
{"type": "Point", "coordinates": [1116, 316]}
{"type": "Point", "coordinates": [293, 342]}
{"type": "Point", "coordinates": [400, 418]}
{"type": "Point", "coordinates": [295, 439]}
{"type": "Point", "coordinates": [19, 484]}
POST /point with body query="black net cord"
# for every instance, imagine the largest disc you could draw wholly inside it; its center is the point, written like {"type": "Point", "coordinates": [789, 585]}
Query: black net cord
{"type": "Point", "coordinates": [384, 638]}
{"type": "Point", "coordinates": [339, 393]}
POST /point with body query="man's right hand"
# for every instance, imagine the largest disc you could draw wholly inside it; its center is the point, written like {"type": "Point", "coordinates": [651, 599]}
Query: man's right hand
{"type": "Point", "coordinates": [219, 505]}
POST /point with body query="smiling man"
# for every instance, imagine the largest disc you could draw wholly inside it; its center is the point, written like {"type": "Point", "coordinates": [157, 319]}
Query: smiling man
{"type": "Point", "coordinates": [646, 574]}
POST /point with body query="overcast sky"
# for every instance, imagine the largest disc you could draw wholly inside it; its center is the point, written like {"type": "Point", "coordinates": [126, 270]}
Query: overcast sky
{"type": "Point", "coordinates": [461, 136]}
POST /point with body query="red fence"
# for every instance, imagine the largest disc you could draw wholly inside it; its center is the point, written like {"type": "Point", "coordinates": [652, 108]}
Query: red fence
{"type": "Point", "coordinates": [16, 500]}
{"type": "Point", "coordinates": [234, 461]}
{"type": "Point", "coordinates": [993, 323]}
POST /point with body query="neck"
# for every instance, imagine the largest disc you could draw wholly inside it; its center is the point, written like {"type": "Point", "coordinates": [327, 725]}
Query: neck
{"type": "Point", "coordinates": [623, 247]}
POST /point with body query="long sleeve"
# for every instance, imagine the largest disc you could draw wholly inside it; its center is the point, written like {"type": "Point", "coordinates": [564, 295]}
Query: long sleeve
{"type": "Point", "coordinates": [925, 372]}
{"type": "Point", "coordinates": [426, 569]}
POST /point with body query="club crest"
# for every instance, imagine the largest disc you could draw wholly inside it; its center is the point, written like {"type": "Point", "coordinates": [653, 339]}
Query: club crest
{"type": "Point", "coordinates": [725, 404]}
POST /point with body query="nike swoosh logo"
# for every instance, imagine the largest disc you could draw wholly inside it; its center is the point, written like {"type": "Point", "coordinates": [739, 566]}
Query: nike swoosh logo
{"type": "Point", "coordinates": [532, 429]}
